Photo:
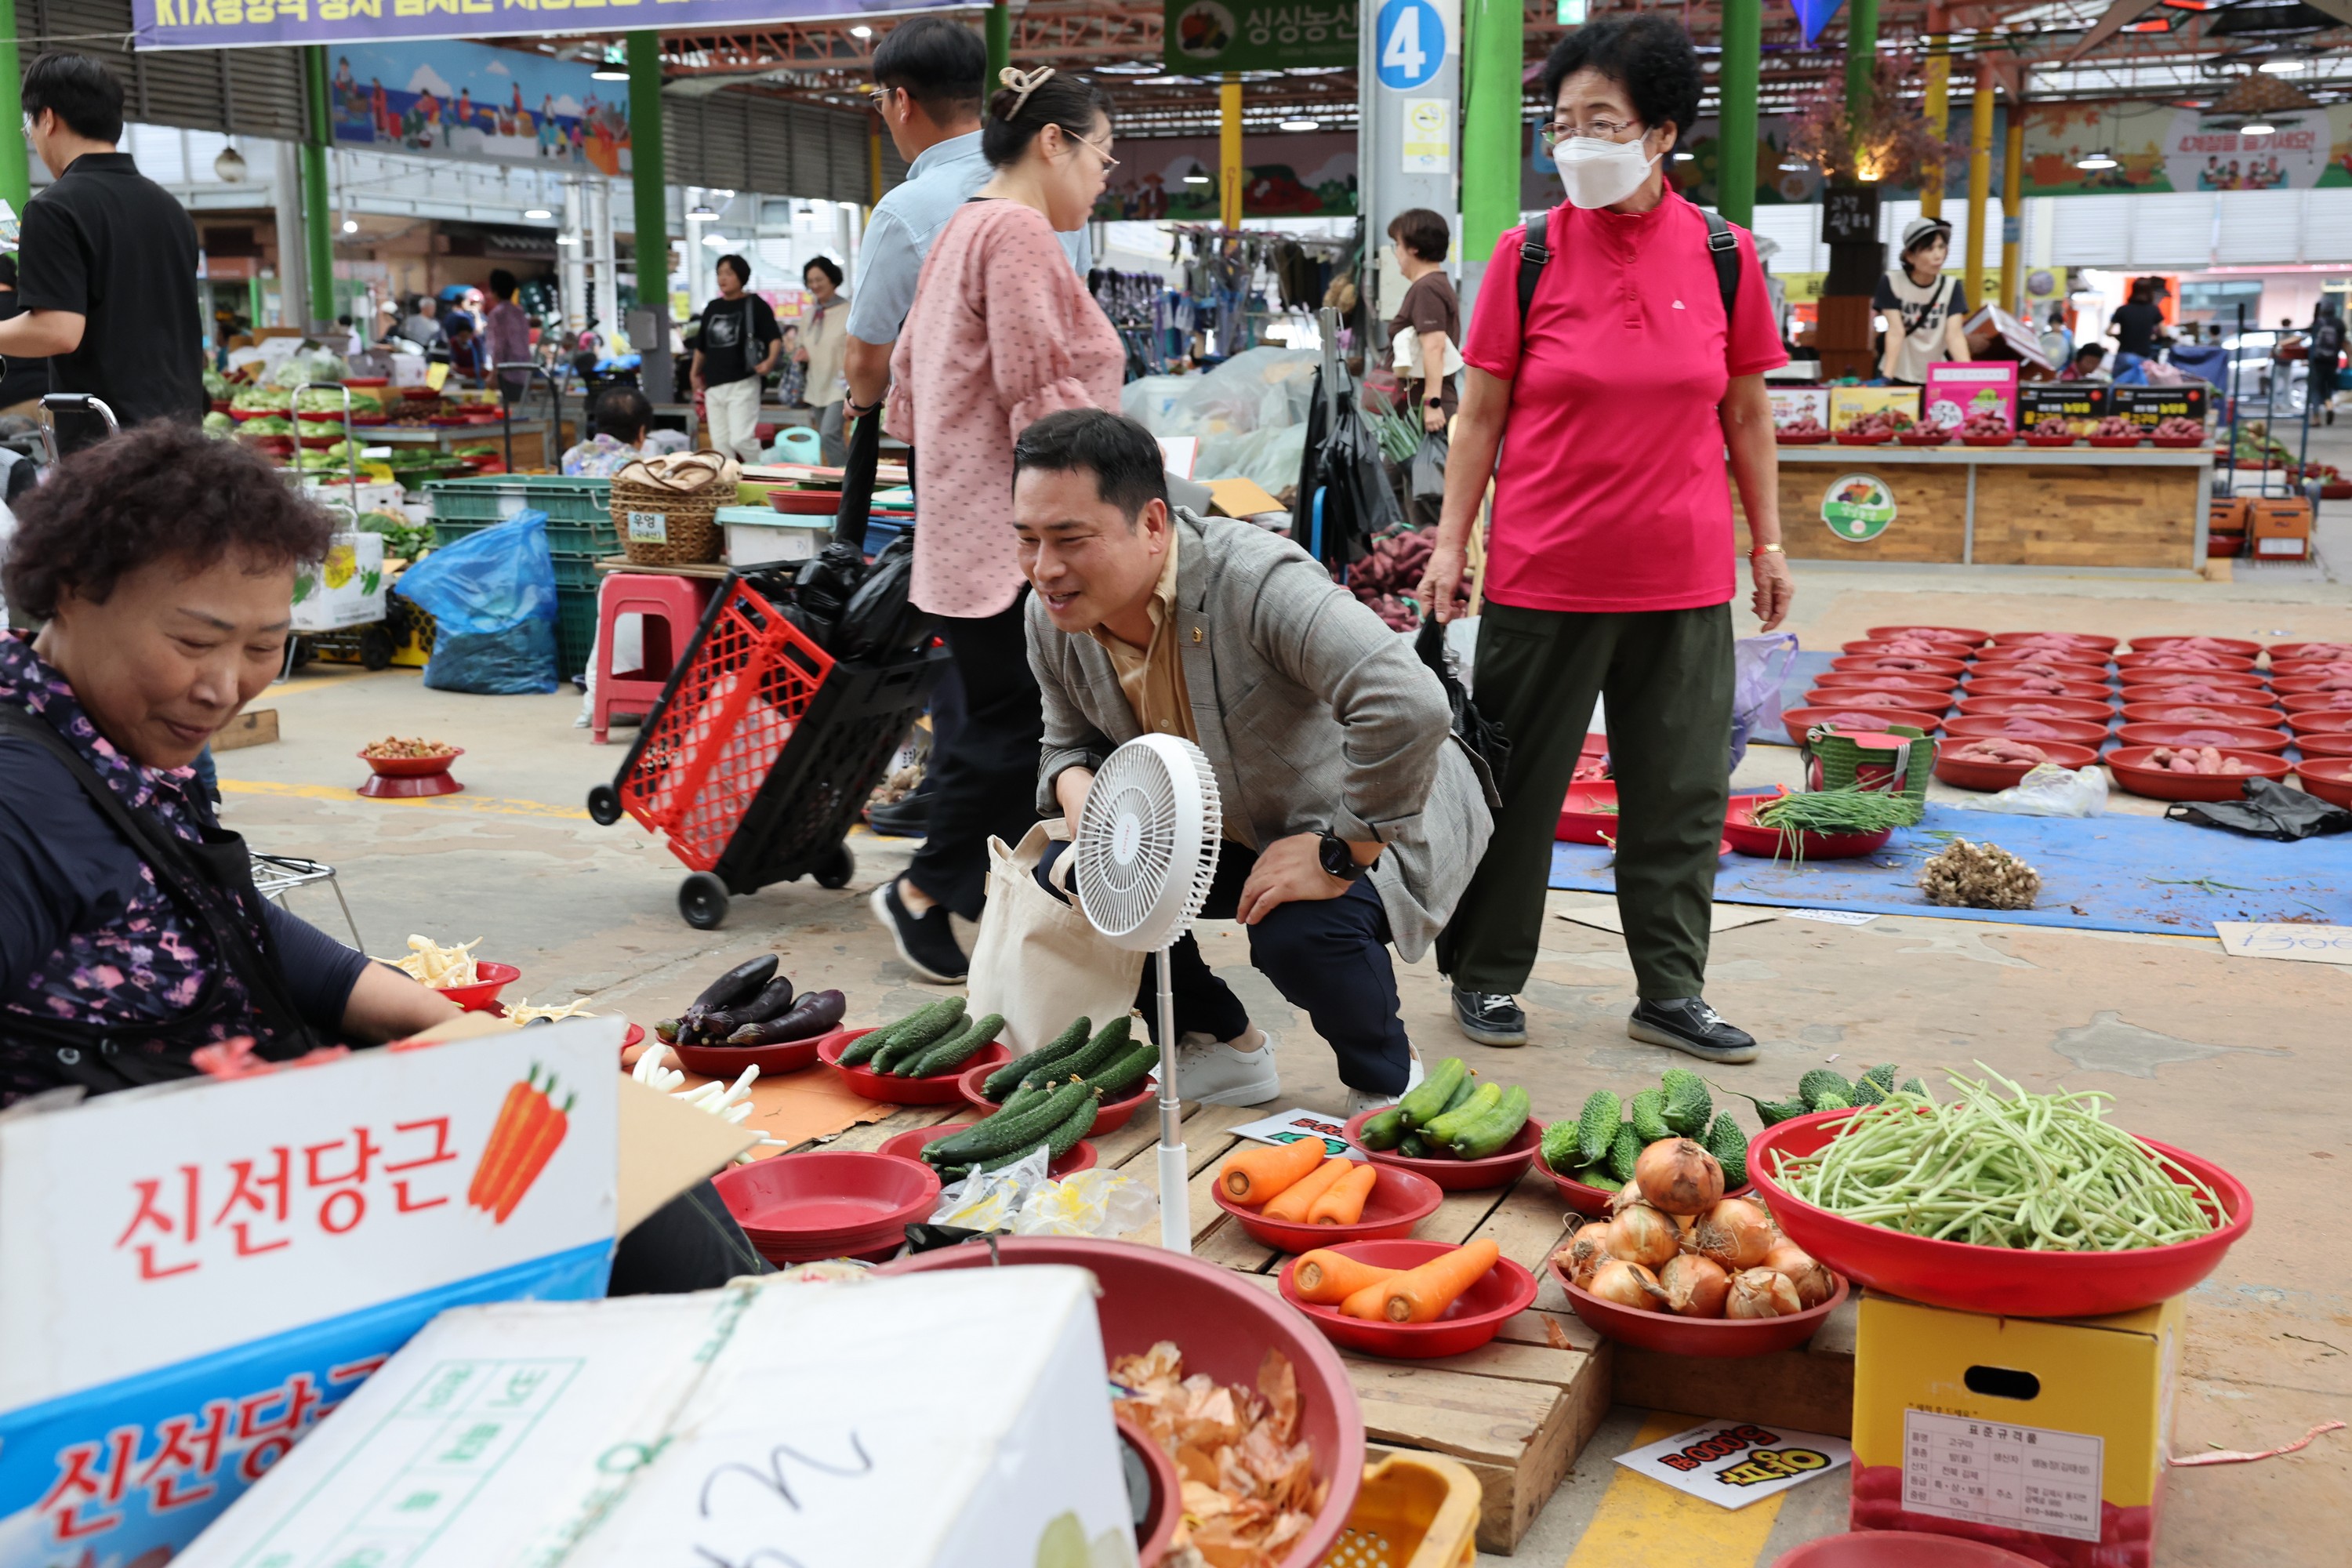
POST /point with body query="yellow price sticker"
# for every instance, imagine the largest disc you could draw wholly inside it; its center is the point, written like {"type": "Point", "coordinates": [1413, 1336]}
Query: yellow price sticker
{"type": "Point", "coordinates": [435, 375]}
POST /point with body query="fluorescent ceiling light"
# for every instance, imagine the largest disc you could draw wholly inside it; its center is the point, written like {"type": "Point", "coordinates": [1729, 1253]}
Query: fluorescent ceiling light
{"type": "Point", "coordinates": [351, 226]}
{"type": "Point", "coordinates": [539, 215]}
{"type": "Point", "coordinates": [1793, 166]}
{"type": "Point", "coordinates": [715, 241]}
{"type": "Point", "coordinates": [2281, 66]}
{"type": "Point", "coordinates": [1196, 179]}
{"type": "Point", "coordinates": [1302, 125]}
{"type": "Point", "coordinates": [1684, 157]}
{"type": "Point", "coordinates": [566, 239]}
{"type": "Point", "coordinates": [861, 31]}
{"type": "Point", "coordinates": [2258, 128]}
{"type": "Point", "coordinates": [2094, 161]}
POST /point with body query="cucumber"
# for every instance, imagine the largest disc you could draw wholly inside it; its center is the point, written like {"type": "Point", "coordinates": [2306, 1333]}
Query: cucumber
{"type": "Point", "coordinates": [937, 1017]}
{"type": "Point", "coordinates": [1383, 1132]}
{"type": "Point", "coordinates": [1559, 1149]}
{"type": "Point", "coordinates": [1101, 1051]}
{"type": "Point", "coordinates": [1488, 1135]}
{"type": "Point", "coordinates": [949, 1055]}
{"type": "Point", "coordinates": [1078, 1123]}
{"type": "Point", "coordinates": [1416, 1147]}
{"type": "Point", "coordinates": [1125, 1076]}
{"type": "Point", "coordinates": [1442, 1131]}
{"type": "Point", "coordinates": [1596, 1126]}
{"type": "Point", "coordinates": [1006, 1078]}
{"type": "Point", "coordinates": [1435, 1093]}
{"type": "Point", "coordinates": [1461, 1091]}
{"type": "Point", "coordinates": [909, 1043]}
{"type": "Point", "coordinates": [1001, 1134]}
{"type": "Point", "coordinates": [1020, 1097]}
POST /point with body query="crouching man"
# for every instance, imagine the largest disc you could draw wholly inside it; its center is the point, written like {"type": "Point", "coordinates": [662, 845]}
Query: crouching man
{"type": "Point", "coordinates": [1352, 818]}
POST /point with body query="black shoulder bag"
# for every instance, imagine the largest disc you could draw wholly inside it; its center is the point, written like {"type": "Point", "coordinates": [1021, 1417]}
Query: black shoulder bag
{"type": "Point", "coordinates": [1722, 249]}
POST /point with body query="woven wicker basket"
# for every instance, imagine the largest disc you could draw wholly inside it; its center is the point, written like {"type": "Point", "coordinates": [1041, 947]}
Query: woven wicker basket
{"type": "Point", "coordinates": [666, 511]}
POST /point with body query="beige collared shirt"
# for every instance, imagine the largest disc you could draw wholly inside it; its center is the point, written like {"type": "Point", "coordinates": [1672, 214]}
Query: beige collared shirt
{"type": "Point", "coordinates": [1153, 678]}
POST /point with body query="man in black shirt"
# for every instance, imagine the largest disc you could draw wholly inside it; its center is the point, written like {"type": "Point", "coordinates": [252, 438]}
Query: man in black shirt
{"type": "Point", "coordinates": [107, 261]}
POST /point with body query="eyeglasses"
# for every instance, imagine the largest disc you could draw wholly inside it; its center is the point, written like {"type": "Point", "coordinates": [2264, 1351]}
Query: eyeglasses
{"type": "Point", "coordinates": [877, 96]}
{"type": "Point", "coordinates": [1109, 163]}
{"type": "Point", "coordinates": [1603, 130]}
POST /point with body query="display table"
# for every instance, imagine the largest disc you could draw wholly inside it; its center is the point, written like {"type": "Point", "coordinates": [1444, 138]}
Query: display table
{"type": "Point", "coordinates": [2070, 508]}
{"type": "Point", "coordinates": [530, 438]}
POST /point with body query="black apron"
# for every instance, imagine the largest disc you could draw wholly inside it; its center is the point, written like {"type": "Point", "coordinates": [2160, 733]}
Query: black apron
{"type": "Point", "coordinates": [211, 882]}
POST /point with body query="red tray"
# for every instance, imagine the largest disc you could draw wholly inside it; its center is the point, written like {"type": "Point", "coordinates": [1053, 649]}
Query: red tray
{"type": "Point", "coordinates": [2103, 645]}
{"type": "Point", "coordinates": [2325, 743]}
{"type": "Point", "coordinates": [1897, 664]}
{"type": "Point", "coordinates": [2130, 766]}
{"type": "Point", "coordinates": [1932, 647]}
{"type": "Point", "coordinates": [385, 786]}
{"type": "Point", "coordinates": [2288, 686]}
{"type": "Point", "coordinates": [1799, 440]}
{"type": "Point", "coordinates": [1721, 1338]}
{"type": "Point", "coordinates": [1848, 438]}
{"type": "Point", "coordinates": [2297, 670]}
{"type": "Point", "coordinates": [910, 1146]}
{"type": "Point", "coordinates": [2220, 662]}
{"type": "Point", "coordinates": [1580, 821]}
{"type": "Point", "coordinates": [2236, 647]}
{"type": "Point", "coordinates": [1987, 440]}
{"type": "Point", "coordinates": [1961, 773]}
{"type": "Point", "coordinates": [1935, 437]}
{"type": "Point", "coordinates": [1981, 726]}
{"type": "Point", "coordinates": [2245, 679]}
{"type": "Point", "coordinates": [1968, 635]}
{"type": "Point", "coordinates": [490, 980]}
{"type": "Point", "coordinates": [1801, 722]}
{"type": "Point", "coordinates": [2072, 663]}
{"type": "Point", "coordinates": [2285, 650]}
{"type": "Point", "coordinates": [2060, 708]}
{"type": "Point", "coordinates": [727, 1061]}
{"type": "Point", "coordinates": [2242, 737]}
{"type": "Point", "coordinates": [1997, 1279]}
{"type": "Point", "coordinates": [826, 1197]}
{"type": "Point", "coordinates": [2178, 443]}
{"type": "Point", "coordinates": [2018, 686]}
{"type": "Point", "coordinates": [1399, 1201]}
{"type": "Point", "coordinates": [1770, 843]}
{"type": "Point", "coordinates": [1506, 1291]}
{"type": "Point", "coordinates": [1900, 682]}
{"type": "Point", "coordinates": [2153, 711]}
{"type": "Point", "coordinates": [1114, 1114]}
{"type": "Point", "coordinates": [1459, 1175]}
{"type": "Point", "coordinates": [2033, 440]}
{"type": "Point", "coordinates": [2317, 702]}
{"type": "Point", "coordinates": [2319, 720]}
{"type": "Point", "coordinates": [2329, 778]}
{"type": "Point", "coordinates": [939, 1089]}
{"type": "Point", "coordinates": [412, 767]}
{"type": "Point", "coordinates": [805, 503]}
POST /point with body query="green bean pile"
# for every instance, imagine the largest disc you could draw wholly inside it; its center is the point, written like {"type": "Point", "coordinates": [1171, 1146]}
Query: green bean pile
{"type": "Point", "coordinates": [2040, 1171]}
{"type": "Point", "coordinates": [1830, 811]}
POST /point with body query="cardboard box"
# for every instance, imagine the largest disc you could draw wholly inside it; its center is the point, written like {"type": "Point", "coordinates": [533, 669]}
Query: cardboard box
{"type": "Point", "coordinates": [1791, 404]}
{"type": "Point", "coordinates": [346, 589]}
{"type": "Point", "coordinates": [2081, 403]}
{"type": "Point", "coordinates": [1848, 404]}
{"type": "Point", "coordinates": [1957, 390]}
{"type": "Point", "coordinates": [2046, 1437]}
{"type": "Point", "coordinates": [2280, 527]}
{"type": "Point", "coordinates": [2150, 406]}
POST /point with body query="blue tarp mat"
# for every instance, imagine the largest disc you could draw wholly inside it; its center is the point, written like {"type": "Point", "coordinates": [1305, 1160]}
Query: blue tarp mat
{"type": "Point", "coordinates": [2100, 873]}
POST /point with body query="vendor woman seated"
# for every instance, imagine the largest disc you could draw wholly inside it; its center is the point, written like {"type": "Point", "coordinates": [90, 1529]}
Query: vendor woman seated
{"type": "Point", "coordinates": [160, 566]}
{"type": "Point", "coordinates": [1353, 818]}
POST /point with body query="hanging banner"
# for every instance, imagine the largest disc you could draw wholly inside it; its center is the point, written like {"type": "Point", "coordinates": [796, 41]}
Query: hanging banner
{"type": "Point", "coordinates": [2159, 148]}
{"type": "Point", "coordinates": [456, 100]}
{"type": "Point", "coordinates": [234, 24]}
{"type": "Point", "coordinates": [1813, 15]}
{"type": "Point", "coordinates": [1300, 175]}
{"type": "Point", "coordinates": [1203, 36]}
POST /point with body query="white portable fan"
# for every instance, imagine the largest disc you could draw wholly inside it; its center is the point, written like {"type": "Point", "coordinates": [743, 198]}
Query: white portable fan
{"type": "Point", "coordinates": [1146, 850]}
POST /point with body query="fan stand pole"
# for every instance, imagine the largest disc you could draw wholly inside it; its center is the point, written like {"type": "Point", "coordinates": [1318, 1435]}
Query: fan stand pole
{"type": "Point", "coordinates": [1175, 1178]}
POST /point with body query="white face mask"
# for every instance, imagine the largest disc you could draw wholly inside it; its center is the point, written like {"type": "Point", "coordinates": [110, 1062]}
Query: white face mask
{"type": "Point", "coordinates": [1597, 172]}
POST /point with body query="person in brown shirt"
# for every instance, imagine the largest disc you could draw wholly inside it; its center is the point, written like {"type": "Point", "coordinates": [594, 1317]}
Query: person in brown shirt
{"type": "Point", "coordinates": [1430, 360]}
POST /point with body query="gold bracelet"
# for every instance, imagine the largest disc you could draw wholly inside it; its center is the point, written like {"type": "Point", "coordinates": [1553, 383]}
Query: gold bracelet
{"type": "Point", "coordinates": [1765, 550]}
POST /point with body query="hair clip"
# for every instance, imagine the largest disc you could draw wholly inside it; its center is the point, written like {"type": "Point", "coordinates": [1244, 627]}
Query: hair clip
{"type": "Point", "coordinates": [1023, 83]}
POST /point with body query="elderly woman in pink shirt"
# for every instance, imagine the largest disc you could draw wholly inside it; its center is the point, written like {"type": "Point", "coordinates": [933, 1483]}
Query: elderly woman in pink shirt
{"type": "Point", "coordinates": [1002, 333]}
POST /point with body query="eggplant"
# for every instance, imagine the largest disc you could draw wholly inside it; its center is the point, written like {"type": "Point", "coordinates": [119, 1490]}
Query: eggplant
{"type": "Point", "coordinates": [770, 1003]}
{"type": "Point", "coordinates": [737, 985]}
{"type": "Point", "coordinates": [815, 1014]}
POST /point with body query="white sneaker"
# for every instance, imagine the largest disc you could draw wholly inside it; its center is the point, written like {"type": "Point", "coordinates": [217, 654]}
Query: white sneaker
{"type": "Point", "coordinates": [1216, 1073]}
{"type": "Point", "coordinates": [1363, 1099]}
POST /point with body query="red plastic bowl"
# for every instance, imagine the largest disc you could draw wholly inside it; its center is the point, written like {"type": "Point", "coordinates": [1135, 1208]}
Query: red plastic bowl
{"type": "Point", "coordinates": [1580, 820]}
{"type": "Point", "coordinates": [2316, 702]}
{"type": "Point", "coordinates": [2075, 691]}
{"type": "Point", "coordinates": [2000, 1279]}
{"type": "Point", "coordinates": [2242, 737]}
{"type": "Point", "coordinates": [1114, 1114]}
{"type": "Point", "coordinates": [1897, 681]}
{"type": "Point", "coordinates": [805, 503]}
{"type": "Point", "coordinates": [1898, 664]}
{"type": "Point", "coordinates": [1225, 1326]}
{"type": "Point", "coordinates": [2071, 663]}
{"type": "Point", "coordinates": [412, 767]}
{"type": "Point", "coordinates": [2079, 707]}
{"type": "Point", "coordinates": [2295, 650]}
{"type": "Point", "coordinates": [939, 1089]}
{"type": "Point", "coordinates": [2319, 721]}
{"type": "Point", "coordinates": [1932, 436]}
{"type": "Point", "coordinates": [1845, 716]}
{"type": "Point", "coordinates": [2237, 648]}
{"type": "Point", "coordinates": [1166, 1505]}
{"type": "Point", "coordinates": [1399, 1201]}
{"type": "Point", "coordinates": [490, 980]}
{"type": "Point", "coordinates": [1892, 691]}
{"type": "Point", "coordinates": [910, 1146]}
{"type": "Point", "coordinates": [1865, 438]}
{"type": "Point", "coordinates": [2167, 713]}
{"type": "Point", "coordinates": [1459, 1175]}
{"type": "Point", "coordinates": [2288, 686]}
{"type": "Point", "coordinates": [1787, 440]}
{"type": "Point", "coordinates": [2222, 679]}
{"type": "Point", "coordinates": [1717, 1337]}
{"type": "Point", "coordinates": [1968, 635]}
{"type": "Point", "coordinates": [1963, 773]}
{"type": "Point", "coordinates": [824, 1196]}
{"type": "Point", "coordinates": [1979, 726]}
{"type": "Point", "coordinates": [1902, 1548]}
{"type": "Point", "coordinates": [2220, 662]}
{"type": "Point", "coordinates": [2033, 440]}
{"type": "Point", "coordinates": [2118, 442]}
{"type": "Point", "coordinates": [1747, 838]}
{"type": "Point", "coordinates": [2086, 639]}
{"type": "Point", "coordinates": [2291, 673]}
{"type": "Point", "coordinates": [1475, 1317]}
{"type": "Point", "coordinates": [2325, 743]}
{"type": "Point", "coordinates": [1593, 1202]}
{"type": "Point", "coordinates": [728, 1061]}
{"type": "Point", "coordinates": [2130, 765]}
{"type": "Point", "coordinates": [1987, 440]}
{"type": "Point", "coordinates": [1939, 647]}
{"type": "Point", "coordinates": [2329, 778]}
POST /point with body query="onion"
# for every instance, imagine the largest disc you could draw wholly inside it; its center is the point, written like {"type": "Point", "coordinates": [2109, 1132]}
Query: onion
{"type": "Point", "coordinates": [1640, 1234]}
{"type": "Point", "coordinates": [1627, 1284]}
{"type": "Point", "coordinates": [1695, 1285]}
{"type": "Point", "coordinates": [1734, 1233]}
{"type": "Point", "coordinates": [1814, 1283]}
{"type": "Point", "coordinates": [1586, 1252]}
{"type": "Point", "coordinates": [1678, 1176]}
{"type": "Point", "coordinates": [1760, 1293]}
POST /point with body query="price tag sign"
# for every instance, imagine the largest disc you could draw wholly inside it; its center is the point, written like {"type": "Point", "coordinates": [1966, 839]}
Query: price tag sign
{"type": "Point", "coordinates": [2027, 1478]}
{"type": "Point", "coordinates": [2302, 944]}
{"type": "Point", "coordinates": [649, 527]}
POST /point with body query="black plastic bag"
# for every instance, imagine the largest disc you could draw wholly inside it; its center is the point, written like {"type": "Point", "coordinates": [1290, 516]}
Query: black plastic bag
{"type": "Point", "coordinates": [880, 619]}
{"type": "Point", "coordinates": [2270, 810]}
{"type": "Point", "coordinates": [1425, 474]}
{"type": "Point", "coordinates": [830, 583]}
{"type": "Point", "coordinates": [1482, 738]}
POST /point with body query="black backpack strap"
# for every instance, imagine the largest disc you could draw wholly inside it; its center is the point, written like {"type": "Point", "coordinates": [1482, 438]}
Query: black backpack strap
{"type": "Point", "coordinates": [1533, 254]}
{"type": "Point", "coordinates": [1723, 248]}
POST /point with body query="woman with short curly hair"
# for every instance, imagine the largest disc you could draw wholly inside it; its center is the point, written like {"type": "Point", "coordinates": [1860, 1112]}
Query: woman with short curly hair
{"type": "Point", "coordinates": [1641, 358]}
{"type": "Point", "coordinates": [162, 566]}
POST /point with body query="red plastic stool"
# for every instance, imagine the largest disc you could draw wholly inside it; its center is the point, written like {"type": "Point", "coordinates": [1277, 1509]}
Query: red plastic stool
{"type": "Point", "coordinates": [672, 608]}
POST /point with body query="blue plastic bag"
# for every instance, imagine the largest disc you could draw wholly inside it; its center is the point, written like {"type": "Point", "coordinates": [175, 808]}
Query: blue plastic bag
{"type": "Point", "coordinates": [492, 599]}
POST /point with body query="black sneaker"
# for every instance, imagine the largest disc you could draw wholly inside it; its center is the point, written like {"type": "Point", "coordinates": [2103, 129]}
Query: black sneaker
{"type": "Point", "coordinates": [926, 942]}
{"type": "Point", "coordinates": [1688, 1024]}
{"type": "Point", "coordinates": [907, 818]}
{"type": "Point", "coordinates": [1489, 1017]}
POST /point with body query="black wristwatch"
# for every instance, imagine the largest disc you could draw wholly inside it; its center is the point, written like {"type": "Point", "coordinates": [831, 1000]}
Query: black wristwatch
{"type": "Point", "coordinates": [1340, 858]}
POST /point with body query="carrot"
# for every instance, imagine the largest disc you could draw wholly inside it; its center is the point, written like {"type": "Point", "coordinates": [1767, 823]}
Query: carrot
{"type": "Point", "coordinates": [1366, 1302]}
{"type": "Point", "coordinates": [1254, 1175]}
{"type": "Point", "coordinates": [1422, 1295]}
{"type": "Point", "coordinates": [547, 1136]}
{"type": "Point", "coordinates": [536, 1110]}
{"type": "Point", "coordinates": [1291, 1204]}
{"type": "Point", "coordinates": [499, 1144]}
{"type": "Point", "coordinates": [1327, 1278]}
{"type": "Point", "coordinates": [1342, 1202]}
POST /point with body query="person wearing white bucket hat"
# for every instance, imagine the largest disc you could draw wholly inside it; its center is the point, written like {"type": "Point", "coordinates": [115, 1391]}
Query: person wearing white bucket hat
{"type": "Point", "coordinates": [1924, 312]}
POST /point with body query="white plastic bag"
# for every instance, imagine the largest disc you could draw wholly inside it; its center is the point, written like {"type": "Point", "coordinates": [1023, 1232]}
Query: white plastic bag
{"type": "Point", "coordinates": [1091, 1202]}
{"type": "Point", "coordinates": [2049, 790]}
{"type": "Point", "coordinates": [988, 1200]}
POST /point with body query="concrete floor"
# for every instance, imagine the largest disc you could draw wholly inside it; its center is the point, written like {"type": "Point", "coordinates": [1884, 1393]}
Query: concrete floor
{"type": "Point", "coordinates": [2231, 1057]}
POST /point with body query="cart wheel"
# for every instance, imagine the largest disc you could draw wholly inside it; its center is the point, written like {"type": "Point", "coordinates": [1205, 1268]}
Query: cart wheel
{"type": "Point", "coordinates": [836, 868]}
{"type": "Point", "coordinates": [702, 899]}
{"type": "Point", "coordinates": [604, 806]}
{"type": "Point", "coordinates": [376, 649]}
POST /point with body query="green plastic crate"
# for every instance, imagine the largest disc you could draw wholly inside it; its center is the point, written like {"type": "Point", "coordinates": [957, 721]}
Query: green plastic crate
{"type": "Point", "coordinates": [579, 511]}
{"type": "Point", "coordinates": [575, 629]}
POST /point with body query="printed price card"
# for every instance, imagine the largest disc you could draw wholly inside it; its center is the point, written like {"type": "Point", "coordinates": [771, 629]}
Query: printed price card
{"type": "Point", "coordinates": [2306, 944]}
{"type": "Point", "coordinates": [1733, 1463]}
{"type": "Point", "coordinates": [2026, 1478]}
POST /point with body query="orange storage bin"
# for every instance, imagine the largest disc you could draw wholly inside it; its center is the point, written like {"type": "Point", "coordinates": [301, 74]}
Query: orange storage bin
{"type": "Point", "coordinates": [1414, 1511]}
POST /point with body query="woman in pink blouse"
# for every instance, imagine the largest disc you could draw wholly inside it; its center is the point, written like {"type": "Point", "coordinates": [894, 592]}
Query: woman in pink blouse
{"type": "Point", "coordinates": [1002, 333]}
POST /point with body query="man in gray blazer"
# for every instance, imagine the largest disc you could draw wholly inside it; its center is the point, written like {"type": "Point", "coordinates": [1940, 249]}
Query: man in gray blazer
{"type": "Point", "coordinates": [1352, 818]}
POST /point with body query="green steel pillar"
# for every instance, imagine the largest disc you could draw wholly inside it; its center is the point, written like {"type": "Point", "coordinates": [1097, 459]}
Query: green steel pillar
{"type": "Point", "coordinates": [15, 174]}
{"type": "Point", "coordinates": [1735, 83]}
{"type": "Point", "coordinates": [1861, 55]}
{"type": "Point", "coordinates": [1000, 44]}
{"type": "Point", "coordinates": [648, 172]}
{"type": "Point", "coordinates": [317, 218]}
{"type": "Point", "coordinates": [1491, 125]}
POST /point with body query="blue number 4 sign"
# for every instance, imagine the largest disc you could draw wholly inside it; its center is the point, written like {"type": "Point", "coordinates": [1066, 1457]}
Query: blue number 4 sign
{"type": "Point", "coordinates": [1412, 43]}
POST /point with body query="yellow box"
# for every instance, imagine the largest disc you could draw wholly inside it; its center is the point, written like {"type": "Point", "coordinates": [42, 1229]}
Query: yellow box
{"type": "Point", "coordinates": [2051, 1435]}
{"type": "Point", "coordinates": [1848, 404]}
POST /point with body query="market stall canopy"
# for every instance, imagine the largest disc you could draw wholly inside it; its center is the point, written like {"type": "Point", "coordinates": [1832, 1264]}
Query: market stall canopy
{"type": "Point", "coordinates": [197, 24]}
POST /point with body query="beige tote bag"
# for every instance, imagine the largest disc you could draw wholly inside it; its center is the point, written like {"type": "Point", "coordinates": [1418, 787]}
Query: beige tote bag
{"type": "Point", "coordinates": [1036, 959]}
